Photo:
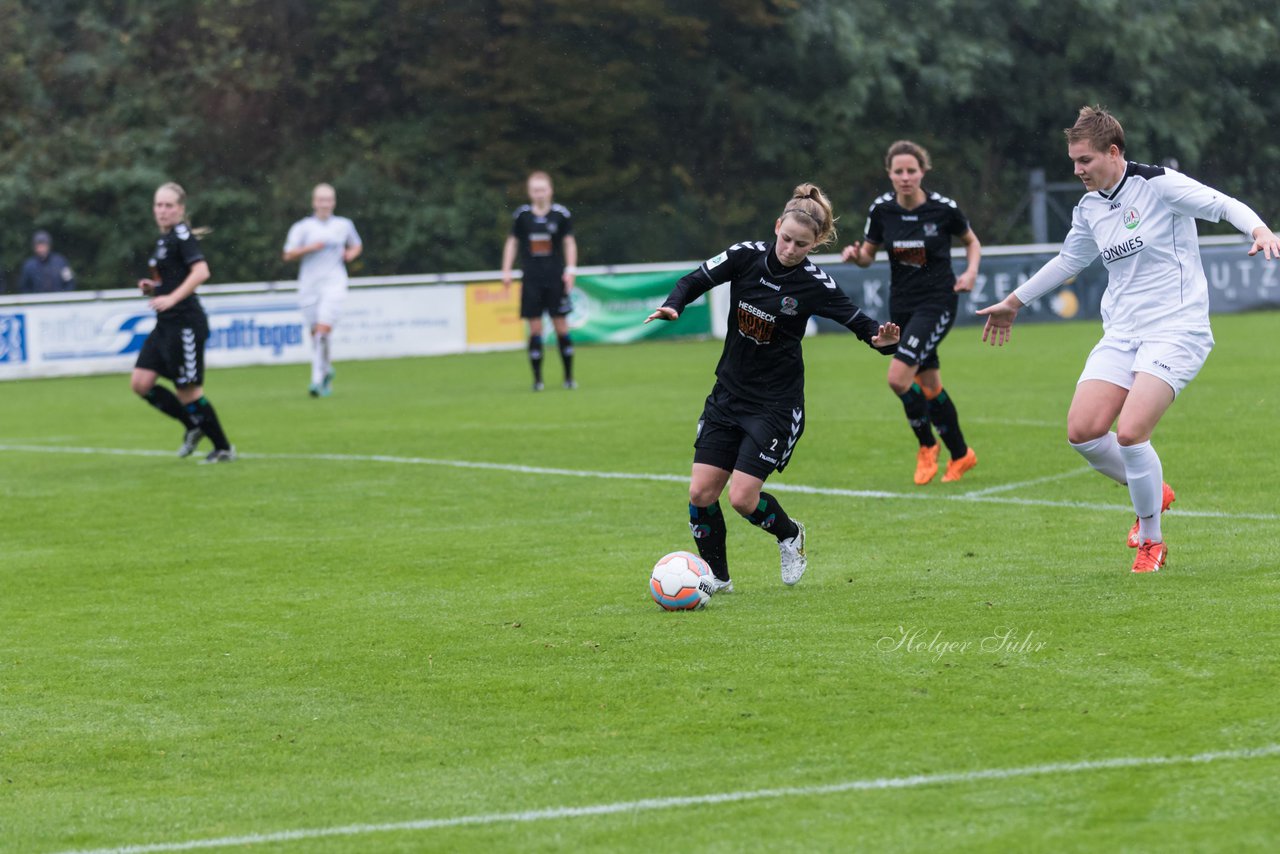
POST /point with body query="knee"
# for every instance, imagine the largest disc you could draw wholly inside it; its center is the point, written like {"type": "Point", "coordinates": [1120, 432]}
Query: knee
{"type": "Point", "coordinates": [900, 387]}
{"type": "Point", "coordinates": [744, 501]}
{"type": "Point", "coordinates": [1078, 437]}
{"type": "Point", "coordinates": [1079, 432]}
{"type": "Point", "coordinates": [141, 385]}
{"type": "Point", "coordinates": [1126, 437]}
{"type": "Point", "coordinates": [701, 496]}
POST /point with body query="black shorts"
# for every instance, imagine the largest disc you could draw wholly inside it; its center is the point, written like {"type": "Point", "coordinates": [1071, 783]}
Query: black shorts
{"type": "Point", "coordinates": [175, 351]}
{"type": "Point", "coordinates": [738, 435]}
{"type": "Point", "coordinates": [922, 331]}
{"type": "Point", "coordinates": [543, 296]}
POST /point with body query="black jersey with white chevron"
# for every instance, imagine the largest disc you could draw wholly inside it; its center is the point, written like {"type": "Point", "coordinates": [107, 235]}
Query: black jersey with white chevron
{"type": "Point", "coordinates": [541, 241]}
{"type": "Point", "coordinates": [175, 253]}
{"type": "Point", "coordinates": [919, 245]}
{"type": "Point", "coordinates": [769, 307]}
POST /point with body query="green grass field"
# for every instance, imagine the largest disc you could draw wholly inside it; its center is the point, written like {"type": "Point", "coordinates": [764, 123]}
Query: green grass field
{"type": "Point", "coordinates": [353, 630]}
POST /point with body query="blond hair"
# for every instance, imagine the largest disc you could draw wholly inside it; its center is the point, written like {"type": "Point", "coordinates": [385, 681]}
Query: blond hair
{"type": "Point", "coordinates": [177, 190]}
{"type": "Point", "coordinates": [1097, 127]}
{"type": "Point", "coordinates": [810, 206]}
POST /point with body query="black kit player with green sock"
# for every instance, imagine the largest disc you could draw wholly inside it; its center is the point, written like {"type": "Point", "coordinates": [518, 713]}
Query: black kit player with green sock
{"type": "Point", "coordinates": [917, 229]}
{"type": "Point", "coordinates": [754, 416]}
{"type": "Point", "coordinates": [175, 348]}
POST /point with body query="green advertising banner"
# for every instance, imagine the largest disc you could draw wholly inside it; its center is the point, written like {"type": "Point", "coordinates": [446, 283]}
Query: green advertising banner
{"type": "Point", "coordinates": [612, 308]}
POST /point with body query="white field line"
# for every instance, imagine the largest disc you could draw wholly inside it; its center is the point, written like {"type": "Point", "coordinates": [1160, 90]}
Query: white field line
{"type": "Point", "coordinates": [686, 801]}
{"type": "Point", "coordinates": [1008, 487]}
{"type": "Point", "coordinates": [978, 497]}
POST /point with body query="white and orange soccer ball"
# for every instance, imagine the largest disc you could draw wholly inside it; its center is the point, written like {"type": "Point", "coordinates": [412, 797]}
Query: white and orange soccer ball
{"type": "Point", "coordinates": [681, 581]}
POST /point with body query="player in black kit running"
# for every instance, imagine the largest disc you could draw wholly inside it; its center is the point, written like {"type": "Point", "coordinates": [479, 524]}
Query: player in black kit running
{"type": "Point", "coordinates": [917, 228]}
{"type": "Point", "coordinates": [175, 348]}
{"type": "Point", "coordinates": [755, 413]}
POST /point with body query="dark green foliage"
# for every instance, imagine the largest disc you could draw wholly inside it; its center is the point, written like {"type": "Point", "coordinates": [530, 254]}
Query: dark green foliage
{"type": "Point", "coordinates": [671, 128]}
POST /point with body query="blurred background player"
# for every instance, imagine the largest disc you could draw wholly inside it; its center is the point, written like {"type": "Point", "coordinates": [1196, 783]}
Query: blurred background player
{"type": "Point", "coordinates": [754, 415]}
{"type": "Point", "coordinates": [918, 227]}
{"type": "Point", "coordinates": [175, 348]}
{"type": "Point", "coordinates": [542, 236]}
{"type": "Point", "coordinates": [326, 244]}
{"type": "Point", "coordinates": [45, 271]}
{"type": "Point", "coordinates": [1155, 310]}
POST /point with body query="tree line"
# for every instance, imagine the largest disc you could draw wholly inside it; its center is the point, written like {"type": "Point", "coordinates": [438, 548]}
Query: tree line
{"type": "Point", "coordinates": [672, 128]}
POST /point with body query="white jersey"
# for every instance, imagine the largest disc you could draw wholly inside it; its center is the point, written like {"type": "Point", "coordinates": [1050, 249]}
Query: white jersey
{"type": "Point", "coordinates": [326, 265]}
{"type": "Point", "coordinates": [1145, 231]}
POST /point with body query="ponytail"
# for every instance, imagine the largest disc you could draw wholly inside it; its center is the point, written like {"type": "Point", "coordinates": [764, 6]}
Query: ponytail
{"type": "Point", "coordinates": [810, 206]}
{"type": "Point", "coordinates": [177, 190]}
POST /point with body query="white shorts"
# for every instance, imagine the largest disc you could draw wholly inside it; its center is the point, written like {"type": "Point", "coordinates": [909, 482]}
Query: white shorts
{"type": "Point", "coordinates": [1175, 360]}
{"type": "Point", "coordinates": [322, 301]}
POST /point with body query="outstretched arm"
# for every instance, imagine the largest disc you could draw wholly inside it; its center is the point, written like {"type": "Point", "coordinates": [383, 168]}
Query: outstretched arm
{"type": "Point", "coordinates": [1000, 319]}
{"type": "Point", "coordinates": [663, 313]}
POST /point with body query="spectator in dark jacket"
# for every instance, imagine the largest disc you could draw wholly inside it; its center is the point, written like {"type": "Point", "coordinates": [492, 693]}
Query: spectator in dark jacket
{"type": "Point", "coordinates": [45, 271]}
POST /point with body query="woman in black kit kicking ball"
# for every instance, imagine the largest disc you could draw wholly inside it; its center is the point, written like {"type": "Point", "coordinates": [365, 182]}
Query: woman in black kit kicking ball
{"type": "Point", "coordinates": [754, 415]}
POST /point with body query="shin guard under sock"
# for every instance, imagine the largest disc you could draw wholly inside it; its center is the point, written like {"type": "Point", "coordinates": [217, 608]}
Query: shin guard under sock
{"type": "Point", "coordinates": [708, 528]}
{"type": "Point", "coordinates": [535, 356]}
{"type": "Point", "coordinates": [770, 516]}
{"type": "Point", "coordinates": [202, 415]}
{"type": "Point", "coordinates": [942, 412]}
{"type": "Point", "coordinates": [566, 356]}
{"type": "Point", "coordinates": [167, 402]}
{"type": "Point", "coordinates": [917, 409]}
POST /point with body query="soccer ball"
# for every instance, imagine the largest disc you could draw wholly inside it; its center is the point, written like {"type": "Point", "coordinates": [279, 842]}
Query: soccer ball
{"type": "Point", "coordinates": [681, 581]}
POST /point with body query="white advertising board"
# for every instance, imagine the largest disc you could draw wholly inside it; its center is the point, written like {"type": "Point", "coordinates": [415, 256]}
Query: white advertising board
{"type": "Point", "coordinates": [104, 336]}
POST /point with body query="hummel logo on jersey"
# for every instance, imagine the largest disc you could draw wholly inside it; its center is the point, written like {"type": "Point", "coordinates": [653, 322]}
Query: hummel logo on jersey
{"type": "Point", "coordinates": [769, 284]}
{"type": "Point", "coordinates": [910, 218]}
{"type": "Point", "coordinates": [1132, 246]}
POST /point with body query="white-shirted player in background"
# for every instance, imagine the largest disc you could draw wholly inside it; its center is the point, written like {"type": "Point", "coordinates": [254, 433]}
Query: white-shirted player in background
{"type": "Point", "coordinates": [326, 244]}
{"type": "Point", "coordinates": [1155, 311]}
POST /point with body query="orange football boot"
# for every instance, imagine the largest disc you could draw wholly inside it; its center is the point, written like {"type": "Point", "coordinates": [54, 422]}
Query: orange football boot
{"type": "Point", "coordinates": [1151, 556]}
{"type": "Point", "coordinates": [926, 464]}
{"type": "Point", "coordinates": [957, 468]}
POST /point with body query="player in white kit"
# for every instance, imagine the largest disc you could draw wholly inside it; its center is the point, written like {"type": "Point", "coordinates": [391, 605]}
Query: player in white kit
{"type": "Point", "coordinates": [325, 243]}
{"type": "Point", "coordinates": [1155, 310]}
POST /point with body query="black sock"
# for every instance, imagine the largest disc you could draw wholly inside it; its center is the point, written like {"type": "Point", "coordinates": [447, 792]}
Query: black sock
{"type": "Point", "coordinates": [167, 402]}
{"type": "Point", "coordinates": [708, 528]}
{"type": "Point", "coordinates": [535, 356]}
{"type": "Point", "coordinates": [203, 416]}
{"type": "Point", "coordinates": [943, 414]}
{"type": "Point", "coordinates": [917, 409]}
{"type": "Point", "coordinates": [566, 356]}
{"type": "Point", "coordinates": [770, 516]}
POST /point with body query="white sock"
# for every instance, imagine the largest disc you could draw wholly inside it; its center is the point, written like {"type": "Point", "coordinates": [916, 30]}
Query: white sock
{"type": "Point", "coordinates": [1146, 481]}
{"type": "Point", "coordinates": [319, 349]}
{"type": "Point", "coordinates": [1103, 454]}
